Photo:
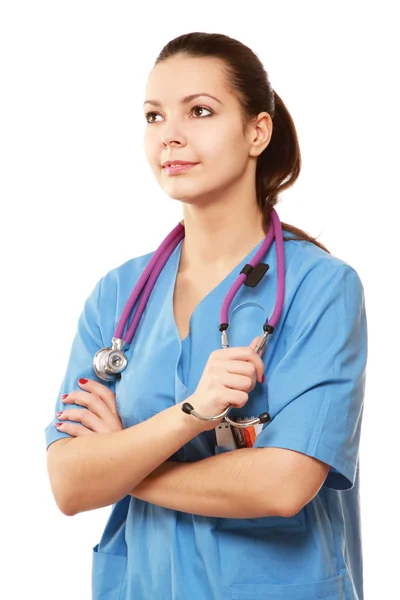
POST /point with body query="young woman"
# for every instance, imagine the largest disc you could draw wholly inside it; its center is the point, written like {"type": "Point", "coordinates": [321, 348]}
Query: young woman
{"type": "Point", "coordinates": [201, 509]}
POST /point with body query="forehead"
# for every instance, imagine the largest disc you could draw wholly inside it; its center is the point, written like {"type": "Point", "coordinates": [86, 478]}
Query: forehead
{"type": "Point", "coordinates": [178, 76]}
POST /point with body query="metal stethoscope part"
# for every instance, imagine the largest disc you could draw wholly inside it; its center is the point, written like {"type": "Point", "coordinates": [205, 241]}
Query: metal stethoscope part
{"type": "Point", "coordinates": [109, 363]}
{"type": "Point", "coordinates": [262, 418]}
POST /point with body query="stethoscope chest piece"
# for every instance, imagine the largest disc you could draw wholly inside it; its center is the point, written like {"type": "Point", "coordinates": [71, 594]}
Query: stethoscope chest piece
{"type": "Point", "coordinates": [108, 363]}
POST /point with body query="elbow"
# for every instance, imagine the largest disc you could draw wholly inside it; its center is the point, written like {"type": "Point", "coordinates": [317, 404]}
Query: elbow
{"type": "Point", "coordinates": [58, 472]}
{"type": "Point", "coordinates": [63, 498]}
{"type": "Point", "coordinates": [67, 496]}
{"type": "Point", "coordinates": [289, 509]}
{"type": "Point", "coordinates": [65, 501]}
{"type": "Point", "coordinates": [291, 504]}
{"type": "Point", "coordinates": [66, 509]}
{"type": "Point", "coordinates": [281, 509]}
{"type": "Point", "coordinates": [70, 513]}
{"type": "Point", "coordinates": [285, 505]}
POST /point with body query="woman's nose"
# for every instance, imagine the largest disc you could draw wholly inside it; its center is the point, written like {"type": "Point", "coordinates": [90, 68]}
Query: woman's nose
{"type": "Point", "coordinates": [172, 134]}
{"type": "Point", "coordinates": [172, 137]}
{"type": "Point", "coordinates": [168, 142]}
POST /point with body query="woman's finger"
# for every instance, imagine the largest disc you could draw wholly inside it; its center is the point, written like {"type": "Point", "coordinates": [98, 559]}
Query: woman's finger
{"type": "Point", "coordinates": [74, 429]}
{"type": "Point", "coordinates": [86, 417]}
{"type": "Point", "coordinates": [90, 401]}
{"type": "Point", "coordinates": [100, 390]}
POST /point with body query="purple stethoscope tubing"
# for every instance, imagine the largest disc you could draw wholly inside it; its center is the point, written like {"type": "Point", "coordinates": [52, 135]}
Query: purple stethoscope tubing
{"type": "Point", "coordinates": [150, 275]}
{"type": "Point", "coordinates": [265, 246]}
{"type": "Point", "coordinates": [275, 231]}
{"type": "Point", "coordinates": [110, 362]}
{"type": "Point", "coordinates": [147, 281]}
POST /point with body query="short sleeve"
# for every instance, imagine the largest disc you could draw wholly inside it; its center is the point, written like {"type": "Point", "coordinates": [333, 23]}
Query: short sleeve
{"type": "Point", "coordinates": [316, 391]}
{"type": "Point", "coordinates": [87, 341]}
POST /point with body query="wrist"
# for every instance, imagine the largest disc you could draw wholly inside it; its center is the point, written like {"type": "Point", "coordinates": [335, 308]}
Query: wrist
{"type": "Point", "coordinates": [191, 422]}
{"type": "Point", "coordinates": [200, 424]}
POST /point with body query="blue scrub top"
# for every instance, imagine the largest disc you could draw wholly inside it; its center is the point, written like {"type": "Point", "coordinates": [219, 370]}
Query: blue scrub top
{"type": "Point", "coordinates": [314, 388]}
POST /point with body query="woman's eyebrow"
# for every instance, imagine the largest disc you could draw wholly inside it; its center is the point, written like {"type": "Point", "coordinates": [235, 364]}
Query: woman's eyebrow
{"type": "Point", "coordinates": [184, 100]}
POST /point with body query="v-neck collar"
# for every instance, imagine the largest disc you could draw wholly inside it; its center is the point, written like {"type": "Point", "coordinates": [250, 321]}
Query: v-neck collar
{"type": "Point", "coordinates": [223, 285]}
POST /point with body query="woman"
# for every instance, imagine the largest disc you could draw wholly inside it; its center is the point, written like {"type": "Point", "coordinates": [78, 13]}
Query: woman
{"type": "Point", "coordinates": [194, 516]}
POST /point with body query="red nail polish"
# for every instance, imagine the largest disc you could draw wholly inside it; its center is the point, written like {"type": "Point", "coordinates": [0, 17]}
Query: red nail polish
{"type": "Point", "coordinates": [58, 424]}
{"type": "Point", "coordinates": [64, 396]}
{"type": "Point", "coordinates": [59, 415]}
{"type": "Point", "coordinates": [82, 380]}
{"type": "Point", "coordinates": [262, 379]}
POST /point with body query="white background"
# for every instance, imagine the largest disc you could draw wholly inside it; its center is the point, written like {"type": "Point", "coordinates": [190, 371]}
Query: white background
{"type": "Point", "coordinates": [78, 199]}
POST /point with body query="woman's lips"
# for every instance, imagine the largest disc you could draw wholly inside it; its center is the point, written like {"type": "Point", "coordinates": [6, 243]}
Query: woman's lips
{"type": "Point", "coordinates": [175, 169]}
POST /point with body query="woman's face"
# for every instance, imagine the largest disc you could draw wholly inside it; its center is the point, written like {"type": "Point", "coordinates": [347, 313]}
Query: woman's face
{"type": "Point", "coordinates": [203, 130]}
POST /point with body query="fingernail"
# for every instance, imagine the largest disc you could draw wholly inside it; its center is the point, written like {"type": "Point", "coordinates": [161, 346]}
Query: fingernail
{"type": "Point", "coordinates": [59, 415]}
{"type": "Point", "coordinates": [64, 396]}
{"type": "Point", "coordinates": [262, 379]}
{"type": "Point", "coordinates": [82, 380]}
{"type": "Point", "coordinates": [58, 424]}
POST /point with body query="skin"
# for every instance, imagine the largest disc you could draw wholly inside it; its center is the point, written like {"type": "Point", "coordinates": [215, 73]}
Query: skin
{"type": "Point", "coordinates": [218, 198]}
{"type": "Point", "coordinates": [99, 413]}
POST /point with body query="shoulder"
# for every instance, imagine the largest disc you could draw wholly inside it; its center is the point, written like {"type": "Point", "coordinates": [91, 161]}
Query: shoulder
{"type": "Point", "coordinates": [305, 260]}
{"type": "Point", "coordinates": [316, 280]}
{"type": "Point", "coordinates": [111, 293]}
{"type": "Point", "coordinates": [123, 276]}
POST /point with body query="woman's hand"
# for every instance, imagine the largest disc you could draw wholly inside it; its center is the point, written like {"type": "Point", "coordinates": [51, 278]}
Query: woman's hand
{"type": "Point", "coordinates": [228, 377]}
{"type": "Point", "coordinates": [99, 416]}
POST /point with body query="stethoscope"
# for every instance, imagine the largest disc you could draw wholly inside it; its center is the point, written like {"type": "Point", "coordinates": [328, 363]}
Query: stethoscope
{"type": "Point", "coordinates": [108, 363]}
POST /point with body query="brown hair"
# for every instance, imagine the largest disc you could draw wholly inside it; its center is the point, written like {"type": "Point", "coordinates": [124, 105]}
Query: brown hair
{"type": "Point", "coordinates": [278, 166]}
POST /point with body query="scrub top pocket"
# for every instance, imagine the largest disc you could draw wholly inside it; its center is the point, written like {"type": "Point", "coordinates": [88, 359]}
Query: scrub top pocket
{"type": "Point", "coordinates": [108, 576]}
{"type": "Point", "coordinates": [328, 589]}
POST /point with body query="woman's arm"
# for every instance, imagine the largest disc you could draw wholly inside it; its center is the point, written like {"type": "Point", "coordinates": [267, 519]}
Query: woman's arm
{"type": "Point", "coordinates": [93, 471]}
{"type": "Point", "coordinates": [241, 484]}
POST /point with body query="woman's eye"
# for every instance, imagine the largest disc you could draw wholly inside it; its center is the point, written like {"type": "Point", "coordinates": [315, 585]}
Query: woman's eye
{"type": "Point", "coordinates": [202, 108]}
{"type": "Point", "coordinates": [150, 114]}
